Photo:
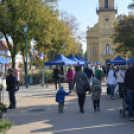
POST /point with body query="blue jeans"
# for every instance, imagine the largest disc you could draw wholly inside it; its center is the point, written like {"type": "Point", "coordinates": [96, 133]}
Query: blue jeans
{"type": "Point", "coordinates": [130, 101]}
{"type": "Point", "coordinates": [112, 87]}
{"type": "Point", "coordinates": [70, 83]}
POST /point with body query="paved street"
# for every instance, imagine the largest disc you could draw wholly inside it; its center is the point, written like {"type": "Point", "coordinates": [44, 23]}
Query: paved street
{"type": "Point", "coordinates": [36, 113]}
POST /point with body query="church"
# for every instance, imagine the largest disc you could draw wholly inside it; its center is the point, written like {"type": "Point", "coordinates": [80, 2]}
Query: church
{"type": "Point", "coordinates": [99, 42]}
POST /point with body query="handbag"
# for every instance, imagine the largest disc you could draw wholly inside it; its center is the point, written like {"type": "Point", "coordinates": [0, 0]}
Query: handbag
{"type": "Point", "coordinates": [86, 86]}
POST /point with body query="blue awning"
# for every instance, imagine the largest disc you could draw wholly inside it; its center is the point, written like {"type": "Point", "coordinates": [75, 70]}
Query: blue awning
{"type": "Point", "coordinates": [79, 62]}
{"type": "Point", "coordinates": [118, 61]}
{"type": "Point", "coordinates": [61, 60]}
{"type": "Point", "coordinates": [4, 61]}
{"type": "Point", "coordinates": [97, 63]}
{"type": "Point", "coordinates": [81, 59]}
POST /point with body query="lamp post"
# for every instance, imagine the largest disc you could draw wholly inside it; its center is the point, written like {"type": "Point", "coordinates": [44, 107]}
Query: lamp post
{"type": "Point", "coordinates": [64, 48]}
{"type": "Point", "coordinates": [25, 29]}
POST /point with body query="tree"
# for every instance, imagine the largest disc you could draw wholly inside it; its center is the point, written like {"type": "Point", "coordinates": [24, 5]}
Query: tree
{"type": "Point", "coordinates": [123, 35]}
{"type": "Point", "coordinates": [15, 13]}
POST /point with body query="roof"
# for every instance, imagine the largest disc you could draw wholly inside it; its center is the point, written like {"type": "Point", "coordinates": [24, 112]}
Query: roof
{"type": "Point", "coordinates": [3, 46]}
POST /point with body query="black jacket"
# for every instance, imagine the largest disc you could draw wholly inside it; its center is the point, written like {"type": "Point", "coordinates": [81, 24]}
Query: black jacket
{"type": "Point", "coordinates": [89, 72]}
{"type": "Point", "coordinates": [11, 82]}
{"type": "Point", "coordinates": [56, 73]}
{"type": "Point", "coordinates": [129, 78]}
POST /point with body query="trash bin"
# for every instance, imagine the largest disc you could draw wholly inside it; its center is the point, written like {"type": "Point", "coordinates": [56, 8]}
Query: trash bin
{"type": "Point", "coordinates": [29, 79]}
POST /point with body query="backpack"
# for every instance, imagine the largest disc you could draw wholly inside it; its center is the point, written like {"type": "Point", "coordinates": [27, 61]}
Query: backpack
{"type": "Point", "coordinates": [99, 75]}
{"type": "Point", "coordinates": [96, 94]}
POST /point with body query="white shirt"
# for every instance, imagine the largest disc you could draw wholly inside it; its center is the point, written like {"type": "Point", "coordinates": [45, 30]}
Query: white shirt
{"type": "Point", "coordinates": [111, 79]}
{"type": "Point", "coordinates": [121, 76]}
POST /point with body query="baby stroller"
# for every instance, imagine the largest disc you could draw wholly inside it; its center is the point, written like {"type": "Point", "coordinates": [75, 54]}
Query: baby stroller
{"type": "Point", "coordinates": [124, 104]}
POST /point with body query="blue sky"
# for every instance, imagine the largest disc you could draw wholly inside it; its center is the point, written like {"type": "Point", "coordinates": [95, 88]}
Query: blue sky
{"type": "Point", "coordinates": [85, 11]}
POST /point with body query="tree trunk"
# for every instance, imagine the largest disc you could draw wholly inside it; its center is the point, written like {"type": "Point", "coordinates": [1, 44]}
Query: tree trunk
{"type": "Point", "coordinates": [13, 63]}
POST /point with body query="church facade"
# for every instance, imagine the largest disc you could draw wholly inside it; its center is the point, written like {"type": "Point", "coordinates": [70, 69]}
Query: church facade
{"type": "Point", "coordinates": [99, 42]}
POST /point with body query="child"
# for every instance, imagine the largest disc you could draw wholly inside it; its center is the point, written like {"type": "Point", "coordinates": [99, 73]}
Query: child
{"type": "Point", "coordinates": [60, 98]}
{"type": "Point", "coordinates": [96, 92]}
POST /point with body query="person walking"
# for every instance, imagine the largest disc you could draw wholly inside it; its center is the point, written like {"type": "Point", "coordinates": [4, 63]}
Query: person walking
{"type": "Point", "coordinates": [98, 74]}
{"type": "Point", "coordinates": [112, 80]}
{"type": "Point", "coordinates": [11, 84]}
{"type": "Point", "coordinates": [104, 73]}
{"type": "Point", "coordinates": [70, 76]}
{"type": "Point", "coordinates": [129, 87]}
{"type": "Point", "coordinates": [120, 79]}
{"type": "Point", "coordinates": [57, 76]}
{"type": "Point", "coordinates": [80, 78]}
{"type": "Point", "coordinates": [60, 98]}
{"type": "Point", "coordinates": [96, 93]}
{"type": "Point", "coordinates": [89, 72]}
{"type": "Point", "coordinates": [62, 74]}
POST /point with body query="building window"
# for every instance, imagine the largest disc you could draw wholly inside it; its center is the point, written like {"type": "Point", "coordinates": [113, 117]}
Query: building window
{"type": "Point", "coordinates": [106, 3]}
{"type": "Point", "coordinates": [107, 48]}
{"type": "Point", "coordinates": [94, 51]}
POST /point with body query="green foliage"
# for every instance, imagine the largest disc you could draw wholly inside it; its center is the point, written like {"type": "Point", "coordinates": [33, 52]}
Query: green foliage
{"type": "Point", "coordinates": [123, 35]}
{"type": "Point", "coordinates": [5, 125]}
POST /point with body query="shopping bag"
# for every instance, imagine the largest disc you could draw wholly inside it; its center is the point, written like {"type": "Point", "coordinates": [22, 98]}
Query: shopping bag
{"type": "Point", "coordinates": [116, 88]}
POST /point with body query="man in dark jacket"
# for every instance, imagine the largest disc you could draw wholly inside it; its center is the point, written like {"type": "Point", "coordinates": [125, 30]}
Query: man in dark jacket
{"type": "Point", "coordinates": [129, 86]}
{"type": "Point", "coordinates": [89, 72]}
{"type": "Point", "coordinates": [57, 76]}
{"type": "Point", "coordinates": [11, 83]}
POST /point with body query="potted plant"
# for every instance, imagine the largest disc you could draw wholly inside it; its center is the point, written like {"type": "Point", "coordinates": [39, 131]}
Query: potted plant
{"type": "Point", "coordinates": [5, 125]}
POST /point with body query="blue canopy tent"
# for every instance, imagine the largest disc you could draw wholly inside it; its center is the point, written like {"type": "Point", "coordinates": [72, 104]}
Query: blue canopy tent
{"type": "Point", "coordinates": [97, 63]}
{"type": "Point", "coordinates": [79, 62]}
{"type": "Point", "coordinates": [118, 61]}
{"type": "Point", "coordinates": [87, 62]}
{"type": "Point", "coordinates": [79, 58]}
{"type": "Point", "coordinates": [61, 60]}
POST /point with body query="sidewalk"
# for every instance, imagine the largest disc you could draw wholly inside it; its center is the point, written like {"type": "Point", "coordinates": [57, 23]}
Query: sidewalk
{"type": "Point", "coordinates": [37, 114]}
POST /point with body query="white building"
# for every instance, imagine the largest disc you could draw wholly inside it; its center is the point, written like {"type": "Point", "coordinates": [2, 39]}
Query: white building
{"type": "Point", "coordinates": [5, 53]}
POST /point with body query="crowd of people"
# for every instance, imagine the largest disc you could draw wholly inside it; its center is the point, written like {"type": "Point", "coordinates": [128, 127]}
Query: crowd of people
{"type": "Point", "coordinates": [116, 76]}
{"type": "Point", "coordinates": [90, 76]}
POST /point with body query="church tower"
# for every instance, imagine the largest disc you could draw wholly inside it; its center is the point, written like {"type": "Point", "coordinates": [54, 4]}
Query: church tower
{"type": "Point", "coordinates": [106, 12]}
{"type": "Point", "coordinates": [99, 42]}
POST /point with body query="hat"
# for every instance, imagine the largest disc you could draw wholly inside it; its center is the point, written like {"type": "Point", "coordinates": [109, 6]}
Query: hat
{"type": "Point", "coordinates": [61, 87]}
{"type": "Point", "coordinates": [95, 80]}
{"type": "Point", "coordinates": [10, 70]}
{"type": "Point", "coordinates": [129, 61]}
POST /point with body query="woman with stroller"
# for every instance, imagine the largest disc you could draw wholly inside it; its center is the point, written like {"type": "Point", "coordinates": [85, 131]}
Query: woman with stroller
{"type": "Point", "coordinates": [112, 80]}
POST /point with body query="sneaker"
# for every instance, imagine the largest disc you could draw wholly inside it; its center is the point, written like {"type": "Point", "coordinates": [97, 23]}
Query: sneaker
{"type": "Point", "coordinates": [131, 119]}
{"type": "Point", "coordinates": [82, 111]}
{"type": "Point", "coordinates": [112, 98]}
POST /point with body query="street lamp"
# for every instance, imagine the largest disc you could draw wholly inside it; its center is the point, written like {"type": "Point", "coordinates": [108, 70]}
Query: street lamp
{"type": "Point", "coordinates": [64, 48]}
{"type": "Point", "coordinates": [25, 29]}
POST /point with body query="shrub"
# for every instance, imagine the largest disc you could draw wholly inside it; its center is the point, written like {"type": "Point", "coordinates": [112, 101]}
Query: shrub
{"type": "Point", "coordinates": [5, 125]}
